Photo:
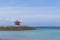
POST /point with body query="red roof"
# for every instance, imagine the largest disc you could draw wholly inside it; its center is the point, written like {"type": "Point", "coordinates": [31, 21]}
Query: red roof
{"type": "Point", "coordinates": [17, 21]}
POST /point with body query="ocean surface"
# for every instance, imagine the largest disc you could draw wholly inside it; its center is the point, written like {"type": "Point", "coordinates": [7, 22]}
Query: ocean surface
{"type": "Point", "coordinates": [38, 34]}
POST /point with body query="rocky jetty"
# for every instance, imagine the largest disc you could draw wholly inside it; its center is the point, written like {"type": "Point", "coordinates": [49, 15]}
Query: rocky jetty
{"type": "Point", "coordinates": [15, 28]}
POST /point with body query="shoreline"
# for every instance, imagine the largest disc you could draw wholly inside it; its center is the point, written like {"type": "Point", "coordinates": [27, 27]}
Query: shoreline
{"type": "Point", "coordinates": [15, 28]}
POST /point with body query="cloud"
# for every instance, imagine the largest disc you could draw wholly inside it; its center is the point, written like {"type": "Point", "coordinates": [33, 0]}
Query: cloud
{"type": "Point", "coordinates": [29, 12]}
{"type": "Point", "coordinates": [31, 15]}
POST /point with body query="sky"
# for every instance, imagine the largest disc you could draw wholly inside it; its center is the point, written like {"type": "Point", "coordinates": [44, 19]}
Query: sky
{"type": "Point", "coordinates": [30, 12]}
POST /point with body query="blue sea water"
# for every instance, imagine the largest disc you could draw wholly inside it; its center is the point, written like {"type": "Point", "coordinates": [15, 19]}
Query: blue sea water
{"type": "Point", "coordinates": [39, 34]}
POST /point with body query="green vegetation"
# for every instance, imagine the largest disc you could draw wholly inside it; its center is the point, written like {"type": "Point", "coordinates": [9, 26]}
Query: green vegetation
{"type": "Point", "coordinates": [12, 28]}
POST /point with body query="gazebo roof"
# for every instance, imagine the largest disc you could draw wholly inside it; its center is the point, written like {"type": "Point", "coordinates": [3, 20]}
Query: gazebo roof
{"type": "Point", "coordinates": [17, 21]}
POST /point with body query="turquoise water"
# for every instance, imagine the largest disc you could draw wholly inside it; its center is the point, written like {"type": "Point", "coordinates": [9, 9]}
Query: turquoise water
{"type": "Point", "coordinates": [39, 34]}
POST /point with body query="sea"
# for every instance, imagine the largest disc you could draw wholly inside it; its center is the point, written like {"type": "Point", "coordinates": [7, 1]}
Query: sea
{"type": "Point", "coordinates": [41, 33]}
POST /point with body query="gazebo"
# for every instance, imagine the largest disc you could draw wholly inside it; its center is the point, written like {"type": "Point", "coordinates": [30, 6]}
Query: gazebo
{"type": "Point", "coordinates": [17, 22]}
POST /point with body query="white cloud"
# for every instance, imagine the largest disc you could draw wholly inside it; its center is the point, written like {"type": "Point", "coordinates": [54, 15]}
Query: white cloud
{"type": "Point", "coordinates": [31, 15]}
{"type": "Point", "coordinates": [12, 13]}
